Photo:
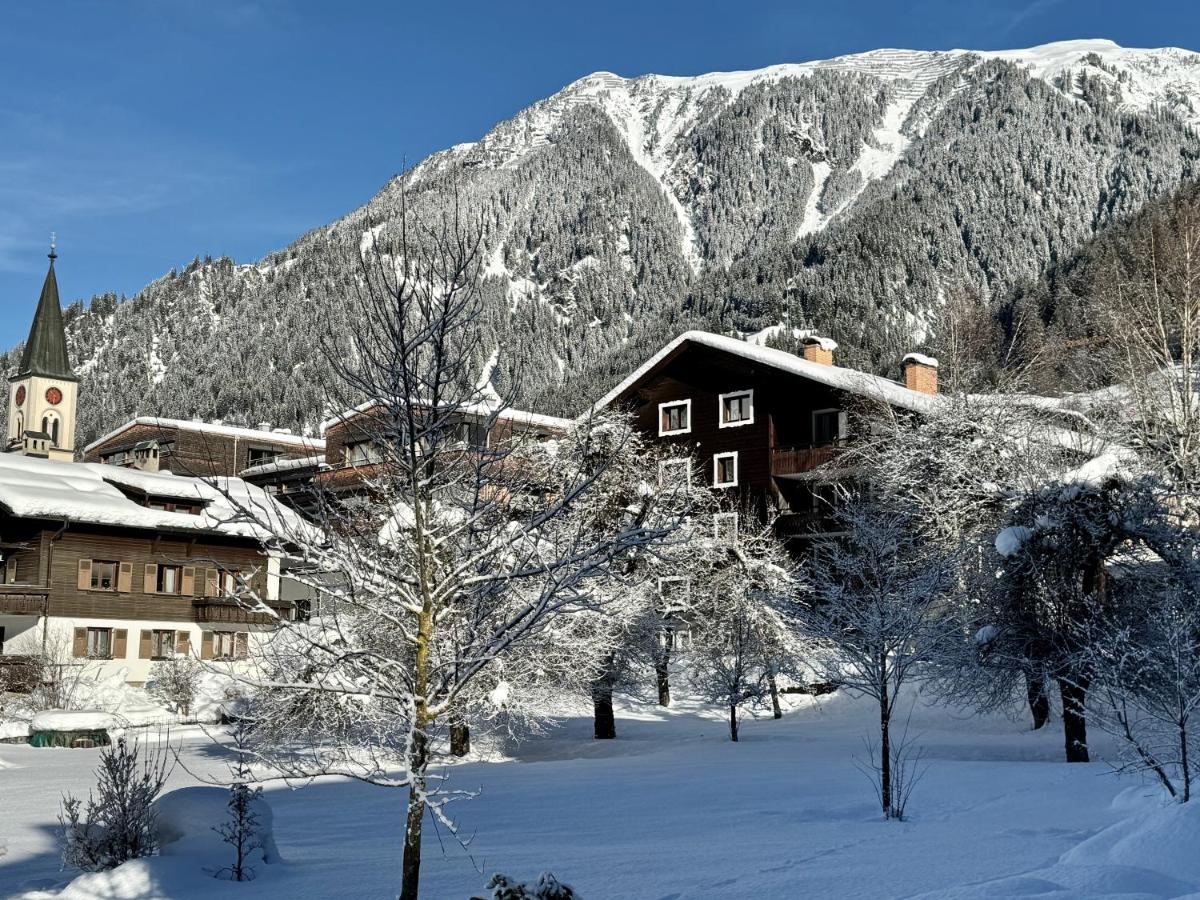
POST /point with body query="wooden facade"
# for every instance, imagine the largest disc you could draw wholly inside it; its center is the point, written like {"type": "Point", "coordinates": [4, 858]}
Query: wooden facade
{"type": "Point", "coordinates": [49, 572]}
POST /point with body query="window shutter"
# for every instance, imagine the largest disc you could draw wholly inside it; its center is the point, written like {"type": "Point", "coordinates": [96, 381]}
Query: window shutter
{"type": "Point", "coordinates": [145, 650]}
{"type": "Point", "coordinates": [189, 581]}
{"type": "Point", "coordinates": [125, 577]}
{"type": "Point", "coordinates": [212, 584]}
{"type": "Point", "coordinates": [183, 645]}
{"type": "Point", "coordinates": [206, 645]}
{"type": "Point", "coordinates": [80, 645]}
{"type": "Point", "coordinates": [240, 641]}
{"type": "Point", "coordinates": [10, 570]}
{"type": "Point", "coordinates": [85, 579]}
{"type": "Point", "coordinates": [150, 578]}
{"type": "Point", "coordinates": [119, 638]}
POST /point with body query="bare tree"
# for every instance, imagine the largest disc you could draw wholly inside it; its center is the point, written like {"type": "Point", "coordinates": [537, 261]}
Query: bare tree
{"type": "Point", "coordinates": [876, 609]}
{"type": "Point", "coordinates": [457, 574]}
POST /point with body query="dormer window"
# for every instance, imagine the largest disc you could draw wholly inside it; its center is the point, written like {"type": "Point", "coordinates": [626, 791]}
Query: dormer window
{"type": "Point", "coordinates": [674, 417]}
{"type": "Point", "coordinates": [736, 408]}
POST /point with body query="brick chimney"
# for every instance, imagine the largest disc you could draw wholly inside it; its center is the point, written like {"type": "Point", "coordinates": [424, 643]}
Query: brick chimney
{"type": "Point", "coordinates": [819, 349]}
{"type": "Point", "coordinates": [920, 373]}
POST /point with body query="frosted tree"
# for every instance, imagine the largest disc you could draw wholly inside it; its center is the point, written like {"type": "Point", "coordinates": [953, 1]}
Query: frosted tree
{"type": "Point", "coordinates": [459, 574]}
{"type": "Point", "coordinates": [875, 610]}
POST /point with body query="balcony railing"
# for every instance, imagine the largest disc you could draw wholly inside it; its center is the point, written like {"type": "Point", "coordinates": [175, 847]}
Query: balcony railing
{"type": "Point", "coordinates": [22, 599]}
{"type": "Point", "coordinates": [211, 609]}
{"type": "Point", "coordinates": [797, 460]}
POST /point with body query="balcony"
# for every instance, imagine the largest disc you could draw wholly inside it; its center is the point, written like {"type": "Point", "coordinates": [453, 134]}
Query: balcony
{"type": "Point", "coordinates": [22, 599]}
{"type": "Point", "coordinates": [206, 610]}
{"type": "Point", "coordinates": [787, 462]}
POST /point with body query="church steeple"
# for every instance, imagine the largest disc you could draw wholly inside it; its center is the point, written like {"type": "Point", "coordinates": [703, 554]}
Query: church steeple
{"type": "Point", "coordinates": [46, 350]}
{"type": "Point", "coordinates": [43, 392]}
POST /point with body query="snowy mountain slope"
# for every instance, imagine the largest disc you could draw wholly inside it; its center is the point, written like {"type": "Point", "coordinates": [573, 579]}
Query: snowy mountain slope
{"type": "Point", "coordinates": [849, 195]}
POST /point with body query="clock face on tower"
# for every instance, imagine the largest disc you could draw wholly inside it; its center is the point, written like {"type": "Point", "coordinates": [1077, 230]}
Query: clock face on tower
{"type": "Point", "coordinates": [21, 395]}
{"type": "Point", "coordinates": [53, 396]}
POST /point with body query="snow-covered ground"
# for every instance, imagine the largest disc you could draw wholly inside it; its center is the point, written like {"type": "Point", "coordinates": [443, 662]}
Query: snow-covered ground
{"type": "Point", "coordinates": [671, 810]}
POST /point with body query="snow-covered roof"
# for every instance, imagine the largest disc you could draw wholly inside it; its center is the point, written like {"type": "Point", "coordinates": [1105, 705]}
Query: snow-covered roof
{"type": "Point", "coordinates": [849, 380]}
{"type": "Point", "coordinates": [91, 493]}
{"type": "Point", "coordinates": [482, 410]}
{"type": "Point", "coordinates": [234, 431]}
{"type": "Point", "coordinates": [283, 465]}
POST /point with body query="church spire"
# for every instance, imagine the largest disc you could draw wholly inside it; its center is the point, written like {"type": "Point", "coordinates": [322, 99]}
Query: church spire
{"type": "Point", "coordinates": [46, 350]}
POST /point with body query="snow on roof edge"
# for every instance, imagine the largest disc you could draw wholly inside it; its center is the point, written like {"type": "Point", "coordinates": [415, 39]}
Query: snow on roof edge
{"type": "Point", "coordinates": [278, 437]}
{"type": "Point", "coordinates": [850, 380]}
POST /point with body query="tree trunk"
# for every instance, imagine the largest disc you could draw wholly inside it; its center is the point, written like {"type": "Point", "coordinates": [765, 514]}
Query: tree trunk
{"type": "Point", "coordinates": [605, 722]}
{"type": "Point", "coordinates": [418, 759]}
{"type": "Point", "coordinates": [733, 722]}
{"type": "Point", "coordinates": [1074, 702]}
{"type": "Point", "coordinates": [1039, 700]}
{"type": "Point", "coordinates": [885, 749]}
{"type": "Point", "coordinates": [662, 671]}
{"type": "Point", "coordinates": [773, 684]}
{"type": "Point", "coordinates": [460, 737]}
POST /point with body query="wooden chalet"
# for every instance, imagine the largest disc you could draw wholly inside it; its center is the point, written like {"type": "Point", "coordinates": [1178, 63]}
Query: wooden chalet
{"type": "Point", "coordinates": [759, 423]}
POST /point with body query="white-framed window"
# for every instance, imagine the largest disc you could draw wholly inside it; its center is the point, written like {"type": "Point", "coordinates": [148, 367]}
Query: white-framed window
{"type": "Point", "coordinates": [673, 472]}
{"type": "Point", "coordinates": [725, 469]}
{"type": "Point", "coordinates": [674, 417]}
{"type": "Point", "coordinates": [725, 527]}
{"type": "Point", "coordinates": [735, 408]}
{"type": "Point", "coordinates": [828, 426]}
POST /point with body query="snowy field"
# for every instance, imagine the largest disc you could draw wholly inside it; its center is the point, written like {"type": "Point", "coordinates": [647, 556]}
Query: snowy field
{"type": "Point", "coordinates": [671, 810]}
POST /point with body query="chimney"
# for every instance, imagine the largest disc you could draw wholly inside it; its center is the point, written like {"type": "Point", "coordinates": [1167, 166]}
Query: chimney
{"type": "Point", "coordinates": [920, 373]}
{"type": "Point", "coordinates": [819, 349]}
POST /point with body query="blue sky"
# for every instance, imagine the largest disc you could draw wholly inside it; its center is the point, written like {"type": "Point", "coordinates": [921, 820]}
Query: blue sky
{"type": "Point", "coordinates": [147, 132]}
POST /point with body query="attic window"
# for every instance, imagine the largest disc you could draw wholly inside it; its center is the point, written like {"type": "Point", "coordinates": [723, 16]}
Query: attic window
{"type": "Point", "coordinates": [674, 417]}
{"type": "Point", "coordinates": [164, 504]}
{"type": "Point", "coordinates": [737, 408]}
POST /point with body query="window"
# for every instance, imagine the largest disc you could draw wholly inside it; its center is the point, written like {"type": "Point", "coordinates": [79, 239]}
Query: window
{"type": "Point", "coordinates": [675, 473]}
{"type": "Point", "coordinates": [361, 453]}
{"type": "Point", "coordinates": [725, 469]}
{"type": "Point", "coordinates": [99, 643]}
{"type": "Point", "coordinates": [736, 408]}
{"type": "Point", "coordinates": [257, 456]}
{"type": "Point", "coordinates": [229, 644]}
{"type": "Point", "coordinates": [228, 582]}
{"type": "Point", "coordinates": [725, 527]}
{"type": "Point", "coordinates": [50, 425]}
{"type": "Point", "coordinates": [674, 417]}
{"type": "Point", "coordinates": [824, 495]}
{"type": "Point", "coordinates": [473, 434]}
{"type": "Point", "coordinates": [170, 579]}
{"type": "Point", "coordinates": [162, 644]}
{"type": "Point", "coordinates": [104, 575]}
{"type": "Point", "coordinates": [827, 427]}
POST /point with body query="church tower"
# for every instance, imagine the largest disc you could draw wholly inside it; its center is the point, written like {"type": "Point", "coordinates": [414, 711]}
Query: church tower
{"type": "Point", "coordinates": [42, 394]}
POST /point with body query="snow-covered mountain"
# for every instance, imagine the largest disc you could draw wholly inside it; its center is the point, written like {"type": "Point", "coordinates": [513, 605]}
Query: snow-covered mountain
{"type": "Point", "coordinates": [850, 195]}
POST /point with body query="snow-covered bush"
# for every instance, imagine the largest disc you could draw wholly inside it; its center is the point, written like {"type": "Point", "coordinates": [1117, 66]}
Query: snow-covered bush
{"type": "Point", "coordinates": [117, 823]}
{"type": "Point", "coordinates": [547, 887]}
{"type": "Point", "coordinates": [176, 682]}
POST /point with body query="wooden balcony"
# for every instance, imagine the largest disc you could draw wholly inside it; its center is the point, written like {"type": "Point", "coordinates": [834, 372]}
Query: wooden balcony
{"type": "Point", "coordinates": [22, 599]}
{"type": "Point", "coordinates": [207, 610]}
{"type": "Point", "coordinates": [787, 461]}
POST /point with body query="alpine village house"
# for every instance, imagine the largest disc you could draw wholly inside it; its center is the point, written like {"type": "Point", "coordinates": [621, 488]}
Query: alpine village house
{"type": "Point", "coordinates": [121, 565]}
